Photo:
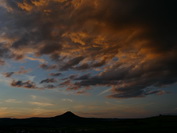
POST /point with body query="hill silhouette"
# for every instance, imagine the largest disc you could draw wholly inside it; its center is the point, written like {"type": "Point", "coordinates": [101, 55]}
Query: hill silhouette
{"type": "Point", "coordinates": [68, 116]}
{"type": "Point", "coordinates": [71, 123]}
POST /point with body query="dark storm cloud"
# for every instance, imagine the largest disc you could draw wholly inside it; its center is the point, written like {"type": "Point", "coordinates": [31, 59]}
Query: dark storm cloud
{"type": "Point", "coordinates": [21, 71]}
{"type": "Point", "coordinates": [92, 65]}
{"type": "Point", "coordinates": [132, 92]}
{"type": "Point", "coordinates": [83, 77]}
{"type": "Point", "coordinates": [133, 81]}
{"type": "Point", "coordinates": [48, 67]}
{"type": "Point", "coordinates": [32, 85]}
{"type": "Point", "coordinates": [50, 48]}
{"type": "Point", "coordinates": [71, 77]}
{"type": "Point", "coordinates": [8, 74]}
{"type": "Point", "coordinates": [89, 35]}
{"type": "Point", "coordinates": [50, 86]}
{"type": "Point", "coordinates": [65, 83]}
{"type": "Point", "coordinates": [84, 66]}
{"type": "Point", "coordinates": [24, 84]}
{"type": "Point", "coordinates": [51, 80]}
{"type": "Point", "coordinates": [69, 85]}
{"type": "Point", "coordinates": [2, 62]}
{"type": "Point", "coordinates": [55, 74]}
{"type": "Point", "coordinates": [158, 23]}
{"type": "Point", "coordinates": [71, 63]}
{"type": "Point", "coordinates": [4, 52]}
{"type": "Point", "coordinates": [36, 28]}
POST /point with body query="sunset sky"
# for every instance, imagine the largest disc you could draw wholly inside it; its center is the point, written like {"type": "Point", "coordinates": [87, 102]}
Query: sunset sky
{"type": "Point", "coordinates": [96, 58]}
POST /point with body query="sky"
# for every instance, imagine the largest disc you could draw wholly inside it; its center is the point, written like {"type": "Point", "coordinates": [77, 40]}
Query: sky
{"type": "Point", "coordinates": [96, 58]}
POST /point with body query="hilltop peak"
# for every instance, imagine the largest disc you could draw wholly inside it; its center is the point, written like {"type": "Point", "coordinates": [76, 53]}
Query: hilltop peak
{"type": "Point", "coordinates": [69, 113]}
{"type": "Point", "coordinates": [67, 116]}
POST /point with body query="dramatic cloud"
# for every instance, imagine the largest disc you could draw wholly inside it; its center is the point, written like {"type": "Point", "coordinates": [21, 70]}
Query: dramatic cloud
{"type": "Point", "coordinates": [127, 45]}
{"type": "Point", "coordinates": [52, 80]}
{"type": "Point", "coordinates": [37, 59]}
{"type": "Point", "coordinates": [2, 62]}
{"type": "Point", "coordinates": [69, 85]}
{"type": "Point", "coordinates": [48, 67]}
{"type": "Point", "coordinates": [26, 84]}
{"type": "Point", "coordinates": [50, 86]}
{"type": "Point", "coordinates": [8, 74]}
{"type": "Point", "coordinates": [71, 63]}
{"type": "Point", "coordinates": [21, 71]}
{"type": "Point", "coordinates": [55, 74]}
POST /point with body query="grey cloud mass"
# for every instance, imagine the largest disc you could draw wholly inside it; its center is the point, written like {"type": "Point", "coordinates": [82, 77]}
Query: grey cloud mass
{"type": "Point", "coordinates": [51, 80]}
{"type": "Point", "coordinates": [129, 45]}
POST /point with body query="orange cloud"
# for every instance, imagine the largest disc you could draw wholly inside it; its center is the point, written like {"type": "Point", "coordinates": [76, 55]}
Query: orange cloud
{"type": "Point", "coordinates": [131, 43]}
{"type": "Point", "coordinates": [25, 6]}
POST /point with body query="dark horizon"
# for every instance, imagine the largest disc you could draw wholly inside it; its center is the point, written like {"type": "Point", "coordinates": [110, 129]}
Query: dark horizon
{"type": "Point", "coordinates": [71, 123]}
{"type": "Point", "coordinates": [75, 114]}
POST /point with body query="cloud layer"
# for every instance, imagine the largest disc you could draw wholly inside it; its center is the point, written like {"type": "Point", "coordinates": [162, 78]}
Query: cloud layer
{"type": "Point", "coordinates": [131, 45]}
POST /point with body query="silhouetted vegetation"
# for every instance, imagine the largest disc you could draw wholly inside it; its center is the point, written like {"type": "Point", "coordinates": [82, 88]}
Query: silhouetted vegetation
{"type": "Point", "coordinates": [70, 123]}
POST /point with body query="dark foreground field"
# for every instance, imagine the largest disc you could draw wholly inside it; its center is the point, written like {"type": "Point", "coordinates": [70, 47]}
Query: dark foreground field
{"type": "Point", "coordinates": [70, 123]}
